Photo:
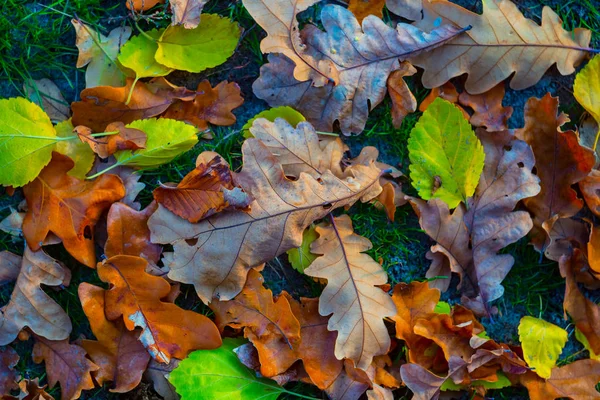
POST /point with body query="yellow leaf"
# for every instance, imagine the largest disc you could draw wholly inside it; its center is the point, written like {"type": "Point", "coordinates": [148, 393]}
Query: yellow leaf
{"type": "Point", "coordinates": [542, 344]}
{"type": "Point", "coordinates": [587, 91]}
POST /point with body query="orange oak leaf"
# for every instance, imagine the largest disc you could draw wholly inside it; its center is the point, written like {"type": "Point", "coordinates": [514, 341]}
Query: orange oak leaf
{"type": "Point", "coordinates": [205, 191]}
{"type": "Point", "coordinates": [142, 5]}
{"type": "Point", "coordinates": [8, 376]}
{"type": "Point", "coordinates": [403, 101]}
{"type": "Point", "coordinates": [167, 330]}
{"type": "Point", "coordinates": [362, 8]}
{"type": "Point", "coordinates": [65, 363]}
{"type": "Point", "coordinates": [120, 356]}
{"type": "Point", "coordinates": [31, 390]}
{"type": "Point", "coordinates": [487, 108]}
{"type": "Point", "coordinates": [125, 139]}
{"type": "Point", "coordinates": [68, 207]}
{"type": "Point", "coordinates": [128, 233]}
{"type": "Point", "coordinates": [29, 306]}
{"type": "Point", "coordinates": [211, 105]}
{"type": "Point", "coordinates": [560, 161]}
{"type": "Point", "coordinates": [351, 293]}
{"type": "Point", "coordinates": [590, 188]}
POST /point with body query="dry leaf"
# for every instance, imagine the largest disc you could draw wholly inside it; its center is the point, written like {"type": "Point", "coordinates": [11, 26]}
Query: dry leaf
{"type": "Point", "coordinates": [167, 330]}
{"type": "Point", "coordinates": [566, 235]}
{"type": "Point", "coordinates": [142, 5]}
{"type": "Point", "coordinates": [403, 101]}
{"type": "Point", "coordinates": [426, 385]}
{"type": "Point", "coordinates": [47, 95]}
{"type": "Point", "coordinates": [31, 390]}
{"type": "Point", "coordinates": [350, 383]}
{"type": "Point", "coordinates": [8, 376]}
{"type": "Point", "coordinates": [593, 248]}
{"type": "Point", "coordinates": [65, 363]}
{"type": "Point", "coordinates": [118, 353]}
{"type": "Point", "coordinates": [10, 267]}
{"type": "Point", "coordinates": [68, 207]}
{"type": "Point", "coordinates": [362, 8]}
{"type": "Point", "coordinates": [125, 139]}
{"type": "Point", "coordinates": [157, 373]}
{"type": "Point", "coordinates": [13, 224]}
{"type": "Point", "coordinates": [30, 306]}
{"type": "Point", "coordinates": [590, 188]}
{"type": "Point", "coordinates": [409, 9]}
{"type": "Point", "coordinates": [447, 92]}
{"type": "Point", "coordinates": [487, 109]}
{"type": "Point", "coordinates": [351, 293]}
{"type": "Point", "coordinates": [501, 42]}
{"type": "Point", "coordinates": [186, 12]}
{"type": "Point", "coordinates": [560, 161]}
{"type": "Point", "coordinates": [216, 254]}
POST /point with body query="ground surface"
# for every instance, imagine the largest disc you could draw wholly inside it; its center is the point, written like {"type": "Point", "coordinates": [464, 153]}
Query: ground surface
{"type": "Point", "coordinates": [37, 41]}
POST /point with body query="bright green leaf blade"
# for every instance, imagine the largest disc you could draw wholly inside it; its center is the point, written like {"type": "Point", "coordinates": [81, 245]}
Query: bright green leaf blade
{"type": "Point", "coordinates": [138, 55]}
{"type": "Point", "coordinates": [301, 257]}
{"type": "Point", "coordinates": [292, 116]}
{"type": "Point", "coordinates": [167, 138]}
{"type": "Point", "coordinates": [194, 50]}
{"type": "Point", "coordinates": [587, 91]}
{"type": "Point", "coordinates": [219, 375]}
{"type": "Point", "coordinates": [442, 308]}
{"type": "Point", "coordinates": [27, 139]}
{"type": "Point", "coordinates": [542, 344]}
{"type": "Point", "coordinates": [81, 153]}
{"type": "Point", "coordinates": [446, 157]}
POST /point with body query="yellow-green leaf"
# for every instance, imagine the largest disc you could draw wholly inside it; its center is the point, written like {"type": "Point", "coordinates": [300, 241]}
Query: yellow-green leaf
{"type": "Point", "coordinates": [542, 344]}
{"type": "Point", "coordinates": [27, 139]}
{"type": "Point", "coordinates": [502, 382]}
{"type": "Point", "coordinates": [587, 91]}
{"type": "Point", "coordinates": [194, 50]}
{"type": "Point", "coordinates": [586, 344]}
{"type": "Point", "coordinates": [292, 116]}
{"type": "Point", "coordinates": [138, 55]}
{"type": "Point", "coordinates": [81, 153]}
{"type": "Point", "coordinates": [442, 308]}
{"type": "Point", "coordinates": [301, 257]}
{"type": "Point", "coordinates": [446, 157]}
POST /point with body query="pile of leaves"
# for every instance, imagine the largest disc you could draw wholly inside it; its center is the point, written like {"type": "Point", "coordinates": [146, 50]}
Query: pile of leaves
{"type": "Point", "coordinates": [480, 185]}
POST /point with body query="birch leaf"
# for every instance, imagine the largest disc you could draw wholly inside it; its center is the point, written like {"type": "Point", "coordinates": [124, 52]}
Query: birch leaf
{"type": "Point", "coordinates": [542, 344]}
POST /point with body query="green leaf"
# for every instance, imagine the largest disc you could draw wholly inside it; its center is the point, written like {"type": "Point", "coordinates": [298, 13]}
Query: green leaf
{"type": "Point", "coordinates": [194, 50]}
{"type": "Point", "coordinates": [167, 138]}
{"type": "Point", "coordinates": [587, 91]}
{"type": "Point", "coordinates": [446, 157]}
{"type": "Point", "coordinates": [81, 153]}
{"type": "Point", "coordinates": [138, 55]}
{"type": "Point", "coordinates": [542, 344]}
{"type": "Point", "coordinates": [586, 344]}
{"type": "Point", "coordinates": [502, 382]}
{"type": "Point", "coordinates": [301, 257]}
{"type": "Point", "coordinates": [218, 374]}
{"type": "Point", "coordinates": [442, 308]}
{"type": "Point", "coordinates": [292, 116]}
{"type": "Point", "coordinates": [27, 139]}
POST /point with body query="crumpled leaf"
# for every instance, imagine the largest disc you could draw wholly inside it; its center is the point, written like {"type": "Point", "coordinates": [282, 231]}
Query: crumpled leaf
{"type": "Point", "coordinates": [205, 191]}
{"type": "Point", "coordinates": [301, 257]}
{"type": "Point", "coordinates": [121, 358]}
{"type": "Point", "coordinates": [351, 293]}
{"type": "Point", "coordinates": [590, 188]}
{"type": "Point", "coordinates": [8, 376]}
{"type": "Point", "coordinates": [68, 207]}
{"type": "Point", "coordinates": [31, 390]}
{"type": "Point", "coordinates": [65, 363]}
{"type": "Point", "coordinates": [292, 116]}
{"type": "Point", "coordinates": [403, 101]}
{"type": "Point", "coordinates": [194, 378]}
{"type": "Point", "coordinates": [586, 90]}
{"type": "Point", "coordinates": [487, 109]}
{"type": "Point", "coordinates": [208, 45]}
{"type": "Point", "coordinates": [216, 254]}
{"type": "Point", "coordinates": [409, 9]}
{"type": "Point", "coordinates": [560, 161]}
{"type": "Point", "coordinates": [137, 54]}
{"type": "Point", "coordinates": [501, 42]}
{"type": "Point", "coordinates": [100, 52]}
{"type": "Point", "coordinates": [167, 330]}
{"type": "Point", "coordinates": [125, 139]}
{"type": "Point", "coordinates": [446, 156]}
{"type": "Point", "coordinates": [29, 306]}
{"type": "Point", "coordinates": [27, 138]}
{"type": "Point", "coordinates": [186, 12]}
{"type": "Point", "coordinates": [362, 8]}
{"type": "Point", "coordinates": [339, 55]}
{"type": "Point", "coordinates": [47, 95]}
{"type": "Point", "coordinates": [542, 343]}
{"type": "Point", "coordinates": [80, 153]}
{"type": "Point", "coordinates": [211, 105]}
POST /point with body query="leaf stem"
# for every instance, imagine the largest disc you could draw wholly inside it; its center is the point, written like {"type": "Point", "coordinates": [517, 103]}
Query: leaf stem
{"type": "Point", "coordinates": [131, 90]}
{"type": "Point", "coordinates": [596, 141]}
{"type": "Point", "coordinates": [97, 174]}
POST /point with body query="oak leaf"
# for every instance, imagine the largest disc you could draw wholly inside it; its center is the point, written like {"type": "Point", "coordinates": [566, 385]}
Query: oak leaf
{"type": "Point", "coordinates": [409, 9]}
{"type": "Point", "coordinates": [351, 293]}
{"type": "Point", "coordinates": [48, 96]}
{"type": "Point", "coordinates": [501, 42]}
{"type": "Point", "coordinates": [362, 8]}
{"type": "Point", "coordinates": [121, 358]}
{"type": "Point", "coordinates": [68, 207]}
{"type": "Point", "coordinates": [542, 343]}
{"type": "Point", "coordinates": [216, 254]}
{"type": "Point", "coordinates": [29, 306]}
{"type": "Point", "coordinates": [560, 161]}
{"type": "Point", "coordinates": [157, 373]}
{"type": "Point", "coordinates": [8, 376]}
{"type": "Point", "coordinates": [403, 101]}
{"type": "Point", "coordinates": [186, 12]}
{"type": "Point", "coordinates": [119, 137]}
{"type": "Point", "coordinates": [487, 108]}
{"type": "Point", "coordinates": [31, 390]}
{"type": "Point", "coordinates": [590, 188]}
{"type": "Point", "coordinates": [593, 248]}
{"type": "Point", "coordinates": [167, 330]}
{"type": "Point", "coordinates": [65, 363]}
{"type": "Point", "coordinates": [11, 266]}
{"type": "Point", "coordinates": [447, 92]}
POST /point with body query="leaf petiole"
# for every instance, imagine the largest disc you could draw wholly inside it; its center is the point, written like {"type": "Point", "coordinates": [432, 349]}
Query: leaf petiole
{"type": "Point", "coordinates": [97, 174]}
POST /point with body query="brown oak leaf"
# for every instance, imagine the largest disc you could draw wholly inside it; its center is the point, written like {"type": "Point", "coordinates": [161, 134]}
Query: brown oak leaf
{"type": "Point", "coordinates": [403, 101]}
{"type": "Point", "coordinates": [31, 390]}
{"type": "Point", "coordinates": [487, 108]}
{"type": "Point", "coordinates": [125, 139]}
{"type": "Point", "coordinates": [8, 376]}
{"type": "Point", "coordinates": [362, 8]}
{"type": "Point", "coordinates": [590, 188]}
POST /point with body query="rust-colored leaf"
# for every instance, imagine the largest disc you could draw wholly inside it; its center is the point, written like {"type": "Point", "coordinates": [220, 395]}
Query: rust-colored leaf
{"type": "Point", "coordinates": [120, 356]}
{"type": "Point", "coordinates": [403, 101]}
{"type": "Point", "coordinates": [362, 8]}
{"type": "Point", "coordinates": [447, 92]}
{"type": "Point", "coordinates": [125, 139]}
{"type": "Point", "coordinates": [487, 109]}
{"type": "Point", "coordinates": [590, 188]}
{"type": "Point", "coordinates": [68, 207]}
{"type": "Point", "coordinates": [142, 5]}
{"type": "Point", "coordinates": [8, 376]}
{"type": "Point", "coordinates": [167, 330]}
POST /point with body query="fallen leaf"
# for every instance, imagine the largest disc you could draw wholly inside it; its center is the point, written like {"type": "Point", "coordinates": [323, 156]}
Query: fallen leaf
{"type": "Point", "coordinates": [292, 116]}
{"type": "Point", "coordinates": [157, 373]}
{"type": "Point", "coordinates": [501, 42]}
{"type": "Point", "coordinates": [137, 54]}
{"type": "Point", "coordinates": [560, 162]}
{"type": "Point", "coordinates": [542, 343]}
{"type": "Point", "coordinates": [31, 390]}
{"type": "Point", "coordinates": [566, 235]}
{"type": "Point", "coordinates": [409, 9]}
{"type": "Point", "coordinates": [29, 306]}
{"type": "Point", "coordinates": [100, 52]}
{"type": "Point", "coordinates": [10, 267]}
{"type": "Point", "coordinates": [403, 101]}
{"type": "Point", "coordinates": [586, 89]}
{"type": "Point", "coordinates": [216, 254]}
{"type": "Point", "coordinates": [487, 109]}
{"type": "Point", "coordinates": [443, 148]}
{"type": "Point", "coordinates": [125, 138]}
{"type": "Point", "coordinates": [593, 249]}
{"type": "Point", "coordinates": [141, 5]}
{"type": "Point", "coordinates": [447, 92]}
{"type": "Point", "coordinates": [351, 292]}
{"type": "Point", "coordinates": [8, 376]}
{"type": "Point", "coordinates": [379, 393]}
{"type": "Point", "coordinates": [47, 95]}
{"type": "Point", "coordinates": [362, 8]}
{"type": "Point", "coordinates": [82, 155]}
{"type": "Point", "coordinates": [350, 383]}
{"type": "Point", "coordinates": [186, 12]}
{"type": "Point", "coordinates": [68, 207]}
{"type": "Point", "coordinates": [301, 257]}
{"type": "Point", "coordinates": [121, 358]}
{"type": "Point", "coordinates": [590, 188]}
{"type": "Point", "coordinates": [167, 330]}
{"type": "Point", "coordinates": [424, 384]}
{"type": "Point", "coordinates": [211, 105]}
{"type": "Point", "coordinates": [65, 363]}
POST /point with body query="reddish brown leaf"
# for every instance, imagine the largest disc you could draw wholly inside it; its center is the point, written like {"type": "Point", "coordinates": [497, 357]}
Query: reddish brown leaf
{"type": "Point", "coordinates": [488, 109]}
{"type": "Point", "coordinates": [447, 92]}
{"type": "Point", "coordinates": [590, 188]}
{"type": "Point", "coordinates": [120, 356]}
{"type": "Point", "coordinates": [125, 139]}
{"type": "Point", "coordinates": [362, 8]}
{"type": "Point", "coordinates": [68, 207]}
{"type": "Point", "coordinates": [8, 376]}
{"type": "Point", "coordinates": [403, 101]}
{"type": "Point", "coordinates": [65, 363]}
{"type": "Point", "coordinates": [566, 234]}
